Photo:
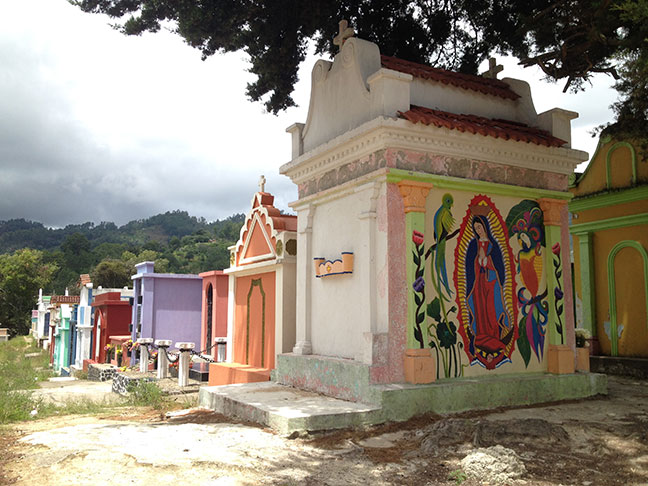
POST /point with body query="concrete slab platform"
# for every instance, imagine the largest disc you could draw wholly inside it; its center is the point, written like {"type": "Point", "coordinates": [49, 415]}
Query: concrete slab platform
{"type": "Point", "coordinates": [286, 409]}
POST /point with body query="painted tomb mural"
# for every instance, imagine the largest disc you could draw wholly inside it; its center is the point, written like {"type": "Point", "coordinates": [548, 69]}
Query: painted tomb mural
{"type": "Point", "coordinates": [479, 286]}
{"type": "Point", "coordinates": [484, 279]}
{"type": "Point", "coordinates": [525, 224]}
{"type": "Point", "coordinates": [439, 315]}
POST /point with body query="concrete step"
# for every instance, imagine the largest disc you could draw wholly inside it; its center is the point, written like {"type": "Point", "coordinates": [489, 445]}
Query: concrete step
{"type": "Point", "coordinates": [286, 409]}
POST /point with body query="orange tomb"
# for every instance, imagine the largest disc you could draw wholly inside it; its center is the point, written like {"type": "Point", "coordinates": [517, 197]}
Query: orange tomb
{"type": "Point", "coordinates": [261, 319]}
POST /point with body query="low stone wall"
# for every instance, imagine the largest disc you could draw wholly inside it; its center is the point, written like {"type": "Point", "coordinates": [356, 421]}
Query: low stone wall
{"type": "Point", "coordinates": [101, 372]}
{"type": "Point", "coordinates": [122, 381]}
{"type": "Point", "coordinates": [620, 365]}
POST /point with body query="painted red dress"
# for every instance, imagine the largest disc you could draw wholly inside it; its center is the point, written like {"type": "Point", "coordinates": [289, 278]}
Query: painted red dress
{"type": "Point", "coordinates": [487, 302]}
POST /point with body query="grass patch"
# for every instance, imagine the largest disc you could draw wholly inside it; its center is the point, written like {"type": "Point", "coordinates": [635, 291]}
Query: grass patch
{"type": "Point", "coordinates": [79, 406]}
{"type": "Point", "coordinates": [146, 393]}
{"type": "Point", "coordinates": [19, 375]}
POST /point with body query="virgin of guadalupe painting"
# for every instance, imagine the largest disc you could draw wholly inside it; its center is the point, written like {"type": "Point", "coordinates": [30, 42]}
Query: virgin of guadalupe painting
{"type": "Point", "coordinates": [485, 284]}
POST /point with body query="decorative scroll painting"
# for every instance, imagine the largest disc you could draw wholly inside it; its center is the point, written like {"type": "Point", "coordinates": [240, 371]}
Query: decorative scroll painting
{"type": "Point", "coordinates": [525, 223]}
{"type": "Point", "coordinates": [484, 279]}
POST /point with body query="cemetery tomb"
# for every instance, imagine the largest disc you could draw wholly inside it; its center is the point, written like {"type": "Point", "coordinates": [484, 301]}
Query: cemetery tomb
{"type": "Point", "coordinates": [215, 288]}
{"type": "Point", "coordinates": [432, 235]}
{"type": "Point", "coordinates": [261, 319]}
{"type": "Point", "coordinates": [166, 305]}
{"type": "Point", "coordinates": [610, 232]}
{"type": "Point", "coordinates": [112, 316]}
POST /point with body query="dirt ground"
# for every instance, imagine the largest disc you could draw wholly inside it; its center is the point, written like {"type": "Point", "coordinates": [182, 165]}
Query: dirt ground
{"type": "Point", "coordinates": [599, 441]}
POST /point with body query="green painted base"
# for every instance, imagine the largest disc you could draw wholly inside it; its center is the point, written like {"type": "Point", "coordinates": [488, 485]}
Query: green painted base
{"type": "Point", "coordinates": [335, 377]}
{"type": "Point", "coordinates": [400, 402]}
{"type": "Point", "coordinates": [373, 404]}
{"type": "Point", "coordinates": [266, 403]}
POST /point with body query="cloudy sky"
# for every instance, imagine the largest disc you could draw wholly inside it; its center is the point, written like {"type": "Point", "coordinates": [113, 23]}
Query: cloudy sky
{"type": "Point", "coordinates": [97, 126]}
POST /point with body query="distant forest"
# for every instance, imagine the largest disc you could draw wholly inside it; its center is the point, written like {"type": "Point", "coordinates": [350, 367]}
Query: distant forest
{"type": "Point", "coordinates": [176, 241]}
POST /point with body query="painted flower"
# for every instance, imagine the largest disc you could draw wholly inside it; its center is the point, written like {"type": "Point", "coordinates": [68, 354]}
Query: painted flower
{"type": "Point", "coordinates": [556, 249]}
{"type": "Point", "coordinates": [558, 293]}
{"type": "Point", "coordinates": [417, 237]}
{"type": "Point", "coordinates": [419, 284]}
{"type": "Point", "coordinates": [447, 334]}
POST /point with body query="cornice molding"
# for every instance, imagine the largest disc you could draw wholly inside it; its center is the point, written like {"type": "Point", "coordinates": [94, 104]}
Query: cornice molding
{"type": "Point", "coordinates": [383, 132]}
{"type": "Point", "coordinates": [610, 223]}
{"type": "Point", "coordinates": [608, 198]}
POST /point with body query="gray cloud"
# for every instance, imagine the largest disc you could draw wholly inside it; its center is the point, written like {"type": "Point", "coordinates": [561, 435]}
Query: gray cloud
{"type": "Point", "coordinates": [96, 126]}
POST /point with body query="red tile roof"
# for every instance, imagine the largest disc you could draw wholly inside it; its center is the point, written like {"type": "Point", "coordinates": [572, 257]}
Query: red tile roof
{"type": "Point", "coordinates": [280, 221]}
{"type": "Point", "coordinates": [483, 85]}
{"type": "Point", "coordinates": [508, 130]}
{"type": "Point", "coordinates": [84, 278]}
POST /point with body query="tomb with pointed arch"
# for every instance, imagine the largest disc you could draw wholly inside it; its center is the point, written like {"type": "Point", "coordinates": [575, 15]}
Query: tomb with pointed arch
{"type": "Point", "coordinates": [261, 289]}
{"type": "Point", "coordinates": [610, 232]}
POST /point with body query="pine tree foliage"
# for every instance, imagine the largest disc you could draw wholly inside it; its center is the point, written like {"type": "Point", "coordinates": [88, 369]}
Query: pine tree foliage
{"type": "Point", "coordinates": [570, 40]}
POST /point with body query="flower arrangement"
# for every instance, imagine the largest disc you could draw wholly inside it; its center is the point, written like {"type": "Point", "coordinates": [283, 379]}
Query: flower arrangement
{"type": "Point", "coordinates": [130, 345]}
{"type": "Point", "coordinates": [175, 365]}
{"type": "Point", "coordinates": [582, 335]}
{"type": "Point", "coordinates": [109, 349]}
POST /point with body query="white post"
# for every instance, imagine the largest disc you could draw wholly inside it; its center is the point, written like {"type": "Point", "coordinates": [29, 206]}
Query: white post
{"type": "Point", "coordinates": [144, 353]}
{"type": "Point", "coordinates": [305, 277]}
{"type": "Point", "coordinates": [162, 361]}
{"type": "Point", "coordinates": [84, 344]}
{"type": "Point", "coordinates": [183, 365]}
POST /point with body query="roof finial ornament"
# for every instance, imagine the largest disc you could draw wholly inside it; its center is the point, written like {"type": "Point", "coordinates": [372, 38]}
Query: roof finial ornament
{"type": "Point", "coordinates": [344, 33]}
{"type": "Point", "coordinates": [493, 69]}
{"type": "Point", "coordinates": [262, 181]}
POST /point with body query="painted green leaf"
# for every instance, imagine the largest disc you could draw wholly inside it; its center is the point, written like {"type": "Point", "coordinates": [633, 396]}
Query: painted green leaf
{"type": "Point", "coordinates": [420, 318]}
{"type": "Point", "coordinates": [452, 309]}
{"type": "Point", "coordinates": [520, 212]}
{"type": "Point", "coordinates": [446, 334]}
{"type": "Point", "coordinates": [523, 343]}
{"type": "Point", "coordinates": [434, 309]}
{"type": "Point", "coordinates": [559, 310]}
{"type": "Point", "coordinates": [416, 258]}
{"type": "Point", "coordinates": [559, 274]}
{"type": "Point", "coordinates": [419, 273]}
{"type": "Point", "coordinates": [417, 299]}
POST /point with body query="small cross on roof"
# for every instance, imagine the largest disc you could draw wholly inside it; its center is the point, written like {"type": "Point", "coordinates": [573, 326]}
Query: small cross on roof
{"type": "Point", "coordinates": [493, 69]}
{"type": "Point", "coordinates": [262, 181]}
{"type": "Point", "coordinates": [344, 33]}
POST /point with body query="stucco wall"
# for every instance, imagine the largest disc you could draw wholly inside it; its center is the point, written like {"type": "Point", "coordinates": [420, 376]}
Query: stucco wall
{"type": "Point", "coordinates": [343, 306]}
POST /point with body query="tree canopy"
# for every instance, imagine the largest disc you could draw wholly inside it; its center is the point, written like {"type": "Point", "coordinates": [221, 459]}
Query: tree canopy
{"type": "Point", "coordinates": [22, 273]}
{"type": "Point", "coordinates": [570, 40]}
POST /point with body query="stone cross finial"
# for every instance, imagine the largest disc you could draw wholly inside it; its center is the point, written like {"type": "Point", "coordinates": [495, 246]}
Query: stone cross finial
{"type": "Point", "coordinates": [493, 69]}
{"type": "Point", "coordinates": [344, 33]}
{"type": "Point", "coordinates": [262, 181]}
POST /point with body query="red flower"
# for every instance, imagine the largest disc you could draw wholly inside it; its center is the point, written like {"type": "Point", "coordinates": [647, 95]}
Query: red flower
{"type": "Point", "coordinates": [556, 249]}
{"type": "Point", "coordinates": [417, 237]}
